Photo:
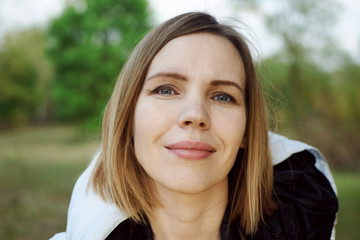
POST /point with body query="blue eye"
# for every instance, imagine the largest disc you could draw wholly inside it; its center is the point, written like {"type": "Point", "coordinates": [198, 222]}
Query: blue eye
{"type": "Point", "coordinates": [224, 98]}
{"type": "Point", "coordinates": [164, 90]}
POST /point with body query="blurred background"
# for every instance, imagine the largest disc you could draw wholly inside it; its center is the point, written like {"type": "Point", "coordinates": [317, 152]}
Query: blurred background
{"type": "Point", "coordinates": [59, 61]}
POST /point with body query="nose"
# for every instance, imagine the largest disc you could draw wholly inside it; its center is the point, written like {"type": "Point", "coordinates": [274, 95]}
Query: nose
{"type": "Point", "coordinates": [194, 114]}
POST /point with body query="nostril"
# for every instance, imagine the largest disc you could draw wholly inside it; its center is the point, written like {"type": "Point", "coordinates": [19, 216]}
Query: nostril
{"type": "Point", "coordinates": [194, 122]}
{"type": "Point", "coordinates": [201, 124]}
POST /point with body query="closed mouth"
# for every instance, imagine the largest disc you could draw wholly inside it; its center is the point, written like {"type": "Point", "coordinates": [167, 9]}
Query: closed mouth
{"type": "Point", "coordinates": [191, 150]}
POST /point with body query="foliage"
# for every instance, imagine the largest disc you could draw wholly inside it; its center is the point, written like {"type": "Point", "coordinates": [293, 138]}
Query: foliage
{"type": "Point", "coordinates": [311, 84]}
{"type": "Point", "coordinates": [25, 74]}
{"type": "Point", "coordinates": [90, 43]}
{"type": "Point", "coordinates": [323, 110]}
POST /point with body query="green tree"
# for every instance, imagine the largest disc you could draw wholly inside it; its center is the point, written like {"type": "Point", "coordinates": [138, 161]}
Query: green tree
{"type": "Point", "coordinates": [25, 74]}
{"type": "Point", "coordinates": [90, 42]}
{"type": "Point", "coordinates": [303, 27]}
{"type": "Point", "coordinates": [317, 83]}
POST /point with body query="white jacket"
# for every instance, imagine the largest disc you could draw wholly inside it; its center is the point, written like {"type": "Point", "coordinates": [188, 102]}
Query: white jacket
{"type": "Point", "coordinates": [90, 218]}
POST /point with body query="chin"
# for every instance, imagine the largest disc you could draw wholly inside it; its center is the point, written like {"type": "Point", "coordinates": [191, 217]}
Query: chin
{"type": "Point", "coordinates": [192, 187]}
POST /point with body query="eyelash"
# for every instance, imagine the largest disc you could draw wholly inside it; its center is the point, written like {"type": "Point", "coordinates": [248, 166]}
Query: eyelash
{"type": "Point", "coordinates": [158, 89]}
{"type": "Point", "coordinates": [164, 87]}
{"type": "Point", "coordinates": [231, 99]}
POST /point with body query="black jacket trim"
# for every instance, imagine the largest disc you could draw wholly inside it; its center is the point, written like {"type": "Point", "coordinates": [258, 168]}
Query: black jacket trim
{"type": "Point", "coordinates": [307, 207]}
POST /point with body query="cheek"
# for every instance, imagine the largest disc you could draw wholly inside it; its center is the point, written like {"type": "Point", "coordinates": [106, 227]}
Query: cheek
{"type": "Point", "coordinates": [231, 126]}
{"type": "Point", "coordinates": [151, 122]}
{"type": "Point", "coordinates": [148, 117]}
{"type": "Point", "coordinates": [144, 115]}
{"type": "Point", "coordinates": [142, 124]}
{"type": "Point", "coordinates": [143, 121]}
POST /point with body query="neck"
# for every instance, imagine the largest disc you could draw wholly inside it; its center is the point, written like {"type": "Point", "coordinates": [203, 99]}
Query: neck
{"type": "Point", "coordinates": [190, 216]}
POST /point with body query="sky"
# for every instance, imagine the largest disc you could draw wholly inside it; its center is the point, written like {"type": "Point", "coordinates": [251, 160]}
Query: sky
{"type": "Point", "coordinates": [15, 14]}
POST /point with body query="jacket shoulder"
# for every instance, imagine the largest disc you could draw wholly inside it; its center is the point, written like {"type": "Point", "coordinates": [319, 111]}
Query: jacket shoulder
{"type": "Point", "coordinates": [307, 202]}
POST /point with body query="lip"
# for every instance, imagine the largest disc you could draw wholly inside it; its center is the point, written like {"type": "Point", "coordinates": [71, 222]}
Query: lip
{"type": "Point", "coordinates": [191, 150]}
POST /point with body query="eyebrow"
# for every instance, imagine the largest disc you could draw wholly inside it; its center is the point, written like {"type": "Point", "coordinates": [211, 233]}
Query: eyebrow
{"type": "Point", "coordinates": [168, 75]}
{"type": "Point", "coordinates": [227, 83]}
{"type": "Point", "coordinates": [178, 76]}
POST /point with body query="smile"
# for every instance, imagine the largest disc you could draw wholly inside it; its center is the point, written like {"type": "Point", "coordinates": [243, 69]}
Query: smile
{"type": "Point", "coordinates": [191, 150]}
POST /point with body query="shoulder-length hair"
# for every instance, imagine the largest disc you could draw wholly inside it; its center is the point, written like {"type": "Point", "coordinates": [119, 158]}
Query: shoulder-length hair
{"type": "Point", "coordinates": [119, 178]}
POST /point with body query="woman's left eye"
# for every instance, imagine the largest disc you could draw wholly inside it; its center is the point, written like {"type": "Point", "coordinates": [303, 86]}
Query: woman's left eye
{"type": "Point", "coordinates": [224, 98]}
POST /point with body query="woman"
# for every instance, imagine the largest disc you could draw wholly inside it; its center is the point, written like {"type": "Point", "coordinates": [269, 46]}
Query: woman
{"type": "Point", "coordinates": [185, 150]}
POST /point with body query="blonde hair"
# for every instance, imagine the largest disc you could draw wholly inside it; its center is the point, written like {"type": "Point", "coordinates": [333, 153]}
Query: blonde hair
{"type": "Point", "coordinates": [119, 178]}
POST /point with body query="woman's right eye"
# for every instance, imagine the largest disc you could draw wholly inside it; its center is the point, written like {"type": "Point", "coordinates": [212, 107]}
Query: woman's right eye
{"type": "Point", "coordinates": [164, 90]}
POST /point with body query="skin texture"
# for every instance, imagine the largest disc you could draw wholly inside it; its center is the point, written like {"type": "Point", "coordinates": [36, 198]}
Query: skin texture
{"type": "Point", "coordinates": [189, 124]}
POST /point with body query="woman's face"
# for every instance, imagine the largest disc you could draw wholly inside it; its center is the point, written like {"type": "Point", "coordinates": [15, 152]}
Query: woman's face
{"type": "Point", "coordinates": [190, 116]}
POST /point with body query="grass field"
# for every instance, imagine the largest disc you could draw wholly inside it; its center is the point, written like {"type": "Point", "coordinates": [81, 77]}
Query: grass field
{"type": "Point", "coordinates": [348, 224]}
{"type": "Point", "coordinates": [39, 166]}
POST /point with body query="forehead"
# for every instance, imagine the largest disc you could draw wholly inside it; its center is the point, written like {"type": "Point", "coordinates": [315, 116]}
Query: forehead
{"type": "Point", "coordinates": [199, 53]}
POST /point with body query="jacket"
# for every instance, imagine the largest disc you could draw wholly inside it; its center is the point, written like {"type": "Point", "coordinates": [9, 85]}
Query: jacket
{"type": "Point", "coordinates": [303, 184]}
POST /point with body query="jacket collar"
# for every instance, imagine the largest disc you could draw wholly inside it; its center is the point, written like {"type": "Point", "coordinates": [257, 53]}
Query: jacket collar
{"type": "Point", "coordinates": [90, 218]}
